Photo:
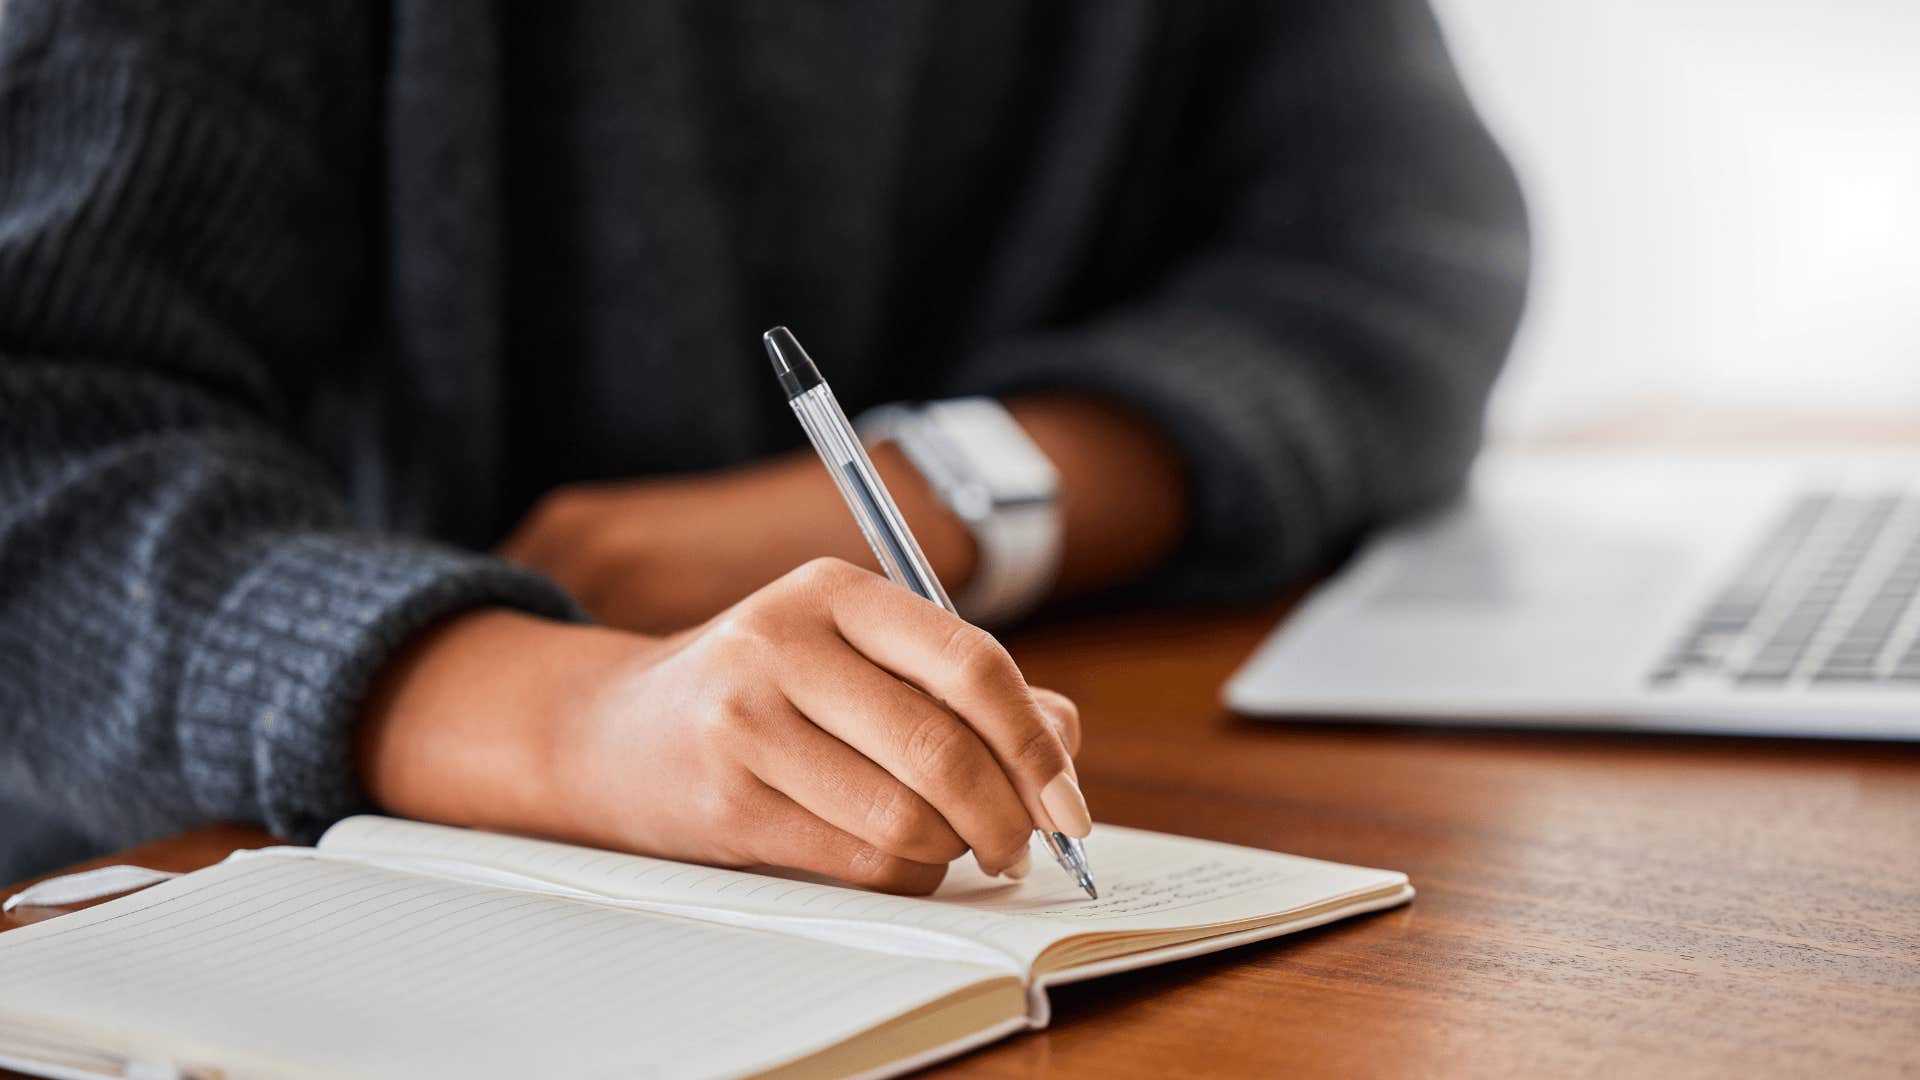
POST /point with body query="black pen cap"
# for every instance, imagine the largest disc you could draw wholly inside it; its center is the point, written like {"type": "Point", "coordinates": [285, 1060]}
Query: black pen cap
{"type": "Point", "coordinates": [790, 362]}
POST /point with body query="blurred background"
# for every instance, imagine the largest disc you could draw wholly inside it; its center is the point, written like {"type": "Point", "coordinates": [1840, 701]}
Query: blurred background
{"type": "Point", "coordinates": [1725, 199]}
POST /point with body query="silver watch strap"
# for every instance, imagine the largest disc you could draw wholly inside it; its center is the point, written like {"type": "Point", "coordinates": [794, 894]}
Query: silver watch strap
{"type": "Point", "coordinates": [984, 466]}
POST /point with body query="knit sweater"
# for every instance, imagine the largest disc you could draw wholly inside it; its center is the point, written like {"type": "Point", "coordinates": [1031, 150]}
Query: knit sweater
{"type": "Point", "coordinates": [301, 305]}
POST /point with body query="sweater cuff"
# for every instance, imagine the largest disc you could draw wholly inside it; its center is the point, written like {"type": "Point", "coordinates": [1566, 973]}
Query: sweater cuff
{"type": "Point", "coordinates": [271, 692]}
{"type": "Point", "coordinates": [1234, 412]}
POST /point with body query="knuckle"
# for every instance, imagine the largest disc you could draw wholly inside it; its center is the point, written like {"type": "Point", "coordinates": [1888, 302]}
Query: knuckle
{"type": "Point", "coordinates": [734, 634]}
{"type": "Point", "coordinates": [732, 714]}
{"type": "Point", "coordinates": [825, 572]}
{"type": "Point", "coordinates": [935, 746]}
{"type": "Point", "coordinates": [976, 655]}
{"type": "Point", "coordinates": [741, 636]}
{"type": "Point", "coordinates": [890, 818]}
{"type": "Point", "coordinates": [1038, 750]}
{"type": "Point", "coordinates": [751, 620]}
{"type": "Point", "coordinates": [905, 825]}
{"type": "Point", "coordinates": [868, 865]}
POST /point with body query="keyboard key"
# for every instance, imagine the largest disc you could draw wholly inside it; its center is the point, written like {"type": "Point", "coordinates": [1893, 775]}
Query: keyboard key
{"type": "Point", "coordinates": [1805, 583]}
{"type": "Point", "coordinates": [1845, 672]}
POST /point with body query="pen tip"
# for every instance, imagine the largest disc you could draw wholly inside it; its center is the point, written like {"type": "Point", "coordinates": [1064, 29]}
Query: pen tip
{"type": "Point", "coordinates": [1092, 893]}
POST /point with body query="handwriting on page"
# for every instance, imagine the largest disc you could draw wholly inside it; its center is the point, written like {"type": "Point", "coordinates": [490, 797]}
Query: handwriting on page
{"type": "Point", "coordinates": [1125, 896]}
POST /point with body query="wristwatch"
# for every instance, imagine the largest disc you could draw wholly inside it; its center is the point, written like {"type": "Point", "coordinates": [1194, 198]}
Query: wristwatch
{"type": "Point", "coordinates": [985, 468]}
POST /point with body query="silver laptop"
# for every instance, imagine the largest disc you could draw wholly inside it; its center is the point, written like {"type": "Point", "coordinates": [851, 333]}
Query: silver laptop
{"type": "Point", "coordinates": [1738, 594]}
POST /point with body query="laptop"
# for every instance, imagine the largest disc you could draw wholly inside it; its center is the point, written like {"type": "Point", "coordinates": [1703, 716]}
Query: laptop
{"type": "Point", "coordinates": [1741, 594]}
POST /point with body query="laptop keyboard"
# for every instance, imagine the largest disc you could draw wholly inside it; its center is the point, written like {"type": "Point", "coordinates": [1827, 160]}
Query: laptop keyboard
{"type": "Point", "coordinates": [1826, 599]}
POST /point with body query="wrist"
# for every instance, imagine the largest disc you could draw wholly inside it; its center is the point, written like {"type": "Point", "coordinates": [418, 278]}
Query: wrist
{"type": "Point", "coordinates": [464, 724]}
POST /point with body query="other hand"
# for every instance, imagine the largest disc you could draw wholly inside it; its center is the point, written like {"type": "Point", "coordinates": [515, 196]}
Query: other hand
{"type": "Point", "coordinates": [660, 555]}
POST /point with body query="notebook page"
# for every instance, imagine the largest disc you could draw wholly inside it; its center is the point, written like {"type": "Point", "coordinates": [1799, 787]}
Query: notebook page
{"type": "Point", "coordinates": [349, 969]}
{"type": "Point", "coordinates": [1148, 881]}
{"type": "Point", "coordinates": [845, 916]}
{"type": "Point", "coordinates": [1152, 881]}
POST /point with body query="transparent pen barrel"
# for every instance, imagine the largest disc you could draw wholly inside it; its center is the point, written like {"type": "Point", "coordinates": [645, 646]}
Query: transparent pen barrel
{"type": "Point", "coordinates": [880, 521]}
{"type": "Point", "coordinates": [899, 554]}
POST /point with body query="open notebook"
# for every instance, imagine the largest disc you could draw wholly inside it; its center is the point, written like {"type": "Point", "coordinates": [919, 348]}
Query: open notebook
{"type": "Point", "coordinates": [401, 949]}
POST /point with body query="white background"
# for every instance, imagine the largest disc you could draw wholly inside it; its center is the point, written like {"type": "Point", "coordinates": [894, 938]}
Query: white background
{"type": "Point", "coordinates": [1725, 197]}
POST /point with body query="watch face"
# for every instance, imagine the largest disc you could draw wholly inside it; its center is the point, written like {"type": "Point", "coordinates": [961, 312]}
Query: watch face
{"type": "Point", "coordinates": [998, 454]}
{"type": "Point", "coordinates": [1027, 480]}
{"type": "Point", "coordinates": [1009, 476]}
{"type": "Point", "coordinates": [972, 502]}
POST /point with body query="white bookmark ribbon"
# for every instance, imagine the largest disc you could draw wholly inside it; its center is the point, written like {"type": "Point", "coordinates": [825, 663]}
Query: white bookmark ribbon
{"type": "Point", "coordinates": [86, 885]}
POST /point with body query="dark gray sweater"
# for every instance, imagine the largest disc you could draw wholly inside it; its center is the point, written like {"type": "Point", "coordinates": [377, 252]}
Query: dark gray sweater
{"type": "Point", "coordinates": [302, 304]}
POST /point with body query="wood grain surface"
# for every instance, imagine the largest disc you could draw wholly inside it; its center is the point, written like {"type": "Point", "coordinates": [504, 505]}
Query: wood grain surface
{"type": "Point", "coordinates": [1589, 904]}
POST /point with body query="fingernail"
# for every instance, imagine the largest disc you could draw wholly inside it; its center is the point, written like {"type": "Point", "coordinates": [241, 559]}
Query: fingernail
{"type": "Point", "coordinates": [1020, 866]}
{"type": "Point", "coordinates": [1068, 807]}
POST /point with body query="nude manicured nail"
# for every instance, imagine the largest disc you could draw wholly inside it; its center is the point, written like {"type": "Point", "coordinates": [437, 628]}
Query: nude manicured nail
{"type": "Point", "coordinates": [1020, 866]}
{"type": "Point", "coordinates": [1068, 807]}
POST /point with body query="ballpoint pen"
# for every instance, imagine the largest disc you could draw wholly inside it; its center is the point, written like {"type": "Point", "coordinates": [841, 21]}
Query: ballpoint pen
{"type": "Point", "coordinates": [873, 508]}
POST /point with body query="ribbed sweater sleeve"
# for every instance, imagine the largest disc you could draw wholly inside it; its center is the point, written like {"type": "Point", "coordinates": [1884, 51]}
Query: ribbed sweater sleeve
{"type": "Point", "coordinates": [1338, 292]}
{"type": "Point", "coordinates": [187, 619]}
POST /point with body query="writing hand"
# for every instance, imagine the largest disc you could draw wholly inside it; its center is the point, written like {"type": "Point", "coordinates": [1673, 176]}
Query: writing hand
{"type": "Point", "coordinates": [830, 722]}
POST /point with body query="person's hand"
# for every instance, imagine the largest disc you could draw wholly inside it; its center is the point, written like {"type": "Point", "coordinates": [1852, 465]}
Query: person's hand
{"type": "Point", "coordinates": [660, 555]}
{"type": "Point", "coordinates": [830, 722]}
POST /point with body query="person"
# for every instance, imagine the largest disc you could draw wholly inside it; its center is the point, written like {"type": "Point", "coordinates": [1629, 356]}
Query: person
{"type": "Point", "coordinates": [383, 421]}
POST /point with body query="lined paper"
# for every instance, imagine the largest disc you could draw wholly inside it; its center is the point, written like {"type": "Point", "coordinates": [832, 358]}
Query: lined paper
{"type": "Point", "coordinates": [1149, 882]}
{"type": "Point", "coordinates": [346, 968]}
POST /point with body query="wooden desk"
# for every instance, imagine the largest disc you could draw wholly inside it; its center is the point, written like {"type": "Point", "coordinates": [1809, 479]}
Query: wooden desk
{"type": "Point", "coordinates": [1596, 905]}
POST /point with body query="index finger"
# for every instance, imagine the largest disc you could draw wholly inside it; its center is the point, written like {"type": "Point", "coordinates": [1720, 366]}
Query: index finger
{"type": "Point", "coordinates": [966, 669]}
